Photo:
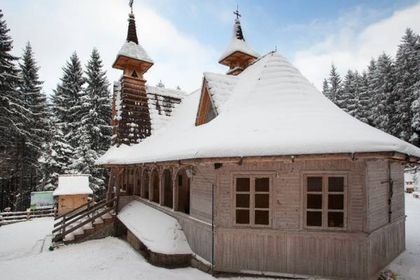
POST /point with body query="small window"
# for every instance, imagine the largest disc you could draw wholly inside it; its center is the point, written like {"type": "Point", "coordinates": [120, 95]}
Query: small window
{"type": "Point", "coordinates": [252, 198]}
{"type": "Point", "coordinates": [325, 201]}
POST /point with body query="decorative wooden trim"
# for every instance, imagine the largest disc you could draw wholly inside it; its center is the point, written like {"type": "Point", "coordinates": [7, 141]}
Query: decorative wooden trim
{"type": "Point", "coordinates": [205, 105]}
{"type": "Point", "coordinates": [286, 158]}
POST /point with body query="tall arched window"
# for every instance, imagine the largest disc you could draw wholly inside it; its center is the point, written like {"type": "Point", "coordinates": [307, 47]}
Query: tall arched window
{"type": "Point", "coordinates": [183, 194]}
{"type": "Point", "coordinates": [145, 184]}
{"type": "Point", "coordinates": [167, 188]}
{"type": "Point", "coordinates": [155, 186]}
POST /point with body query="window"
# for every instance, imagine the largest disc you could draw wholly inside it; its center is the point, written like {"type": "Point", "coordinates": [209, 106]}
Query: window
{"type": "Point", "coordinates": [325, 201]}
{"type": "Point", "coordinates": [252, 200]}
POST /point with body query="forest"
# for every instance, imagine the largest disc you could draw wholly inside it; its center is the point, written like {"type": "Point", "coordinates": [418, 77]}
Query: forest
{"type": "Point", "coordinates": [43, 136]}
{"type": "Point", "coordinates": [386, 95]}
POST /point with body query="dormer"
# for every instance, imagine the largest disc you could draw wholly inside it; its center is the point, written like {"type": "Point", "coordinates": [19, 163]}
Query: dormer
{"type": "Point", "coordinates": [238, 55]}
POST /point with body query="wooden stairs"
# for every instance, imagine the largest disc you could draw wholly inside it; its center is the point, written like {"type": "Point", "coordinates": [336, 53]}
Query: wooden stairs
{"type": "Point", "coordinates": [85, 222]}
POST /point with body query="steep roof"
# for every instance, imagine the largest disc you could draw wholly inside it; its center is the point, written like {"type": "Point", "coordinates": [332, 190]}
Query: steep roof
{"type": "Point", "coordinates": [133, 50]}
{"type": "Point", "coordinates": [161, 102]}
{"type": "Point", "coordinates": [220, 87]}
{"type": "Point", "coordinates": [238, 44]}
{"type": "Point", "coordinates": [271, 110]}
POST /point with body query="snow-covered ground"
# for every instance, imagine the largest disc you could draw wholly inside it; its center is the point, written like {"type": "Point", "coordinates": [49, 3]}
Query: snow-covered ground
{"type": "Point", "coordinates": [24, 254]}
{"type": "Point", "coordinates": [408, 263]}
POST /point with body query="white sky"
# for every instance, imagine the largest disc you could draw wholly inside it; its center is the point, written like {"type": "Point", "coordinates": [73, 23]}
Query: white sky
{"type": "Point", "coordinates": [57, 28]}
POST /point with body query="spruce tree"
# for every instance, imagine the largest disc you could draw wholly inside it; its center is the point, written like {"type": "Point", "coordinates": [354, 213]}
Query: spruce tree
{"type": "Point", "coordinates": [371, 85]}
{"type": "Point", "coordinates": [35, 103]}
{"type": "Point", "coordinates": [14, 126]}
{"type": "Point", "coordinates": [68, 99]}
{"type": "Point", "coordinates": [364, 98]}
{"type": "Point", "coordinates": [335, 84]}
{"type": "Point", "coordinates": [326, 89]}
{"type": "Point", "coordinates": [384, 99]}
{"type": "Point", "coordinates": [57, 157]}
{"type": "Point", "coordinates": [94, 134]}
{"type": "Point", "coordinates": [347, 97]}
{"type": "Point", "coordinates": [407, 74]}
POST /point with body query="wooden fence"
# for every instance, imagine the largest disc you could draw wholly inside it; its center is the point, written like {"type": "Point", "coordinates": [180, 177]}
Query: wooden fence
{"type": "Point", "coordinates": [21, 216]}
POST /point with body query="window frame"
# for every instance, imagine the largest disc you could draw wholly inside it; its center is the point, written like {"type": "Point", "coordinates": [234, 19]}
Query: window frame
{"type": "Point", "coordinates": [252, 176]}
{"type": "Point", "coordinates": [325, 193]}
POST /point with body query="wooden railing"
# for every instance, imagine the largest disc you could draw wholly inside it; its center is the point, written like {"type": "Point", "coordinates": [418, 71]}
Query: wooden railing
{"type": "Point", "coordinates": [77, 219]}
{"type": "Point", "coordinates": [21, 216]}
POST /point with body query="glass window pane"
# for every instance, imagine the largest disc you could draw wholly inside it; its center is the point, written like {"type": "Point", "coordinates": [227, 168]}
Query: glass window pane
{"type": "Point", "coordinates": [335, 219]}
{"type": "Point", "coordinates": [335, 184]}
{"type": "Point", "coordinates": [262, 200]}
{"type": "Point", "coordinates": [335, 201]}
{"type": "Point", "coordinates": [262, 184]}
{"type": "Point", "coordinates": [261, 217]}
{"type": "Point", "coordinates": [242, 200]}
{"type": "Point", "coordinates": [242, 184]}
{"type": "Point", "coordinates": [314, 201]}
{"type": "Point", "coordinates": [314, 219]}
{"type": "Point", "coordinates": [314, 184]}
{"type": "Point", "coordinates": [242, 216]}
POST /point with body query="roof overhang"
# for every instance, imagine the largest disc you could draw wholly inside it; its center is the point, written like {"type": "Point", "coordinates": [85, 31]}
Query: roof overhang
{"type": "Point", "coordinates": [122, 62]}
{"type": "Point", "coordinates": [396, 156]}
{"type": "Point", "coordinates": [235, 56]}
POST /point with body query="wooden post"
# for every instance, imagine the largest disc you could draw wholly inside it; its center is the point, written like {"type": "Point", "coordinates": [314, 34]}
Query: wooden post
{"type": "Point", "coordinates": [161, 186]}
{"type": "Point", "coordinates": [174, 189]}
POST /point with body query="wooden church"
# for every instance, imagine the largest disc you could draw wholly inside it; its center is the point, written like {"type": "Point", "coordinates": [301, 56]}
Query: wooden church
{"type": "Point", "coordinates": [262, 172]}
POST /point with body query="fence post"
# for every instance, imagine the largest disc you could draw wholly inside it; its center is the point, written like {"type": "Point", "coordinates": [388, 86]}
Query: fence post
{"type": "Point", "coordinates": [63, 230]}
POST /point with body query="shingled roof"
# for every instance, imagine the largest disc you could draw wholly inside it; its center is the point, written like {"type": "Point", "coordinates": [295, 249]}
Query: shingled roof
{"type": "Point", "coordinates": [271, 110]}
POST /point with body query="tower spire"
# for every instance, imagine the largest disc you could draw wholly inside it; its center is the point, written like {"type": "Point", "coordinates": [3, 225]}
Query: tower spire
{"type": "Point", "coordinates": [132, 32]}
{"type": "Point", "coordinates": [238, 55]}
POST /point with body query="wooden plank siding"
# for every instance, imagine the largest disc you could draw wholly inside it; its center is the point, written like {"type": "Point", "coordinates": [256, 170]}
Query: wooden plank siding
{"type": "Point", "coordinates": [370, 239]}
{"type": "Point", "coordinates": [287, 246]}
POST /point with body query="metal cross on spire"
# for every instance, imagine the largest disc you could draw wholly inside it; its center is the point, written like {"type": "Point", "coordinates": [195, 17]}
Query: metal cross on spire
{"type": "Point", "coordinates": [238, 15]}
{"type": "Point", "coordinates": [131, 5]}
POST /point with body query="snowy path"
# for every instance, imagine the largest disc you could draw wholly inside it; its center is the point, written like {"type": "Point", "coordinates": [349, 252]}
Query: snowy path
{"type": "Point", "coordinates": [25, 238]}
{"type": "Point", "coordinates": [408, 263]}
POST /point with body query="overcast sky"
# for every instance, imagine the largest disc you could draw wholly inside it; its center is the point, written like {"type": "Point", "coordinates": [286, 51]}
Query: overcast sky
{"type": "Point", "coordinates": [185, 38]}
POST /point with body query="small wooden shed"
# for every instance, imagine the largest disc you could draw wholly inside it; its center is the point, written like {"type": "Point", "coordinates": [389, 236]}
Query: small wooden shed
{"type": "Point", "coordinates": [72, 192]}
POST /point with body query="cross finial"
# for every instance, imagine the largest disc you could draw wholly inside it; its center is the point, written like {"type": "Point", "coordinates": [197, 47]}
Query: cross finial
{"type": "Point", "coordinates": [237, 12]}
{"type": "Point", "coordinates": [131, 5]}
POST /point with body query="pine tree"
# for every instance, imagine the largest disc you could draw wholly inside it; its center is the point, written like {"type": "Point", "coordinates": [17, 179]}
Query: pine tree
{"type": "Point", "coordinates": [407, 74]}
{"type": "Point", "coordinates": [335, 84]}
{"type": "Point", "coordinates": [68, 99]}
{"type": "Point", "coordinates": [326, 89]}
{"type": "Point", "coordinates": [14, 125]}
{"type": "Point", "coordinates": [57, 157]}
{"type": "Point", "coordinates": [347, 97]}
{"type": "Point", "coordinates": [415, 108]}
{"type": "Point", "coordinates": [384, 99]}
{"type": "Point", "coordinates": [35, 103]}
{"type": "Point", "coordinates": [364, 98]}
{"type": "Point", "coordinates": [371, 85]}
{"type": "Point", "coordinates": [94, 134]}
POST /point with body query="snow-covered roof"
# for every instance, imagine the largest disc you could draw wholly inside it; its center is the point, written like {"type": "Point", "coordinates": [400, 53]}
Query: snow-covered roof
{"type": "Point", "coordinates": [161, 101]}
{"type": "Point", "coordinates": [238, 44]}
{"type": "Point", "coordinates": [220, 87]}
{"type": "Point", "coordinates": [160, 232]}
{"type": "Point", "coordinates": [73, 184]}
{"type": "Point", "coordinates": [271, 110]}
{"type": "Point", "coordinates": [133, 50]}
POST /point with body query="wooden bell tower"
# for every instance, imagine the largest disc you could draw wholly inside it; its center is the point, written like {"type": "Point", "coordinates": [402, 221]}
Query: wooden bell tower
{"type": "Point", "coordinates": [131, 105]}
{"type": "Point", "coordinates": [238, 55]}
